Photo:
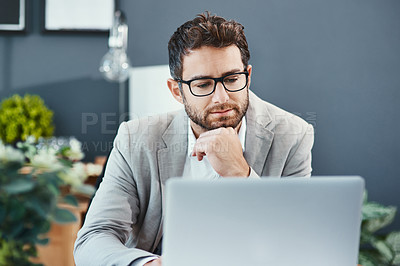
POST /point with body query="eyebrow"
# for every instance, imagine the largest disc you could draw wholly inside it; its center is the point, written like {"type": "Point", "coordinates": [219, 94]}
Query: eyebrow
{"type": "Point", "coordinates": [236, 70]}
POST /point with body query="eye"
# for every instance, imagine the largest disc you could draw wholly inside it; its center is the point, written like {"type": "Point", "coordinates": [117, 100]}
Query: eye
{"type": "Point", "coordinates": [231, 79]}
{"type": "Point", "coordinates": [203, 84]}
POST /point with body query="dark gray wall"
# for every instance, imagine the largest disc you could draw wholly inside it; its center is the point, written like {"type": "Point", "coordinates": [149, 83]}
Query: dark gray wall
{"type": "Point", "coordinates": [334, 63]}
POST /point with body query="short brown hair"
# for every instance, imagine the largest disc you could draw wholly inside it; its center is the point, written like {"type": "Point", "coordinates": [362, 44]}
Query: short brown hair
{"type": "Point", "coordinates": [205, 30]}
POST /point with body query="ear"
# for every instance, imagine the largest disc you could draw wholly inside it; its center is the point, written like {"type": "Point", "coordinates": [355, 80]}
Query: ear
{"type": "Point", "coordinates": [249, 69]}
{"type": "Point", "coordinates": [173, 87]}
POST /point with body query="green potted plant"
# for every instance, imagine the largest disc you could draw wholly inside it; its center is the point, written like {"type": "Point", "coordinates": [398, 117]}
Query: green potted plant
{"type": "Point", "coordinates": [33, 182]}
{"type": "Point", "coordinates": [21, 117]}
{"type": "Point", "coordinates": [378, 249]}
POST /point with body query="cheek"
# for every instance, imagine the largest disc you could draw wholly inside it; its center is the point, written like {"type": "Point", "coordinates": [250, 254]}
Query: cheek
{"type": "Point", "coordinates": [237, 98]}
{"type": "Point", "coordinates": [199, 103]}
{"type": "Point", "coordinates": [241, 97]}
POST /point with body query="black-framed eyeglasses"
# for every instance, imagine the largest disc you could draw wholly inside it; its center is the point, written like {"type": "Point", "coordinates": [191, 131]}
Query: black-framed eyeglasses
{"type": "Point", "coordinates": [201, 87]}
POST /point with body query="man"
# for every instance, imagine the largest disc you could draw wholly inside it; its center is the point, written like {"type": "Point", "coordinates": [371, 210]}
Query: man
{"type": "Point", "coordinates": [225, 131]}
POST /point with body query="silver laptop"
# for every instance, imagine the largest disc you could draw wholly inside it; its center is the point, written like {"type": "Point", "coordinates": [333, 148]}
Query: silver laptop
{"type": "Point", "coordinates": [278, 222]}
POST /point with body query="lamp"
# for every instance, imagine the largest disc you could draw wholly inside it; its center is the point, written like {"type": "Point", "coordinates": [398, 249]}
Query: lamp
{"type": "Point", "coordinates": [115, 63]}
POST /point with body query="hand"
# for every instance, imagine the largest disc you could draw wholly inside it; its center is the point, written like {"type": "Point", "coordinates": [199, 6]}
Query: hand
{"type": "Point", "coordinates": [224, 152]}
{"type": "Point", "coordinates": [155, 262]}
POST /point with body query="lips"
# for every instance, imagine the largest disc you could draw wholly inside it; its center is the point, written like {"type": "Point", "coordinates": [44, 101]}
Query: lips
{"type": "Point", "coordinates": [222, 112]}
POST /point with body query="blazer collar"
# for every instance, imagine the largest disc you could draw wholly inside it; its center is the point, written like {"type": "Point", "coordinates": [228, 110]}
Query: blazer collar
{"type": "Point", "coordinates": [171, 159]}
{"type": "Point", "coordinates": [258, 137]}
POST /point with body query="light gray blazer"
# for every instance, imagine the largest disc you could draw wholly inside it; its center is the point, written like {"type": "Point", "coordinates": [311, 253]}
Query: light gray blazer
{"type": "Point", "coordinates": [125, 219]}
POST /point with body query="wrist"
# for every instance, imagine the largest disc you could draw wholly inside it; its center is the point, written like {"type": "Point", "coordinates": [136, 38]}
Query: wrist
{"type": "Point", "coordinates": [248, 171]}
{"type": "Point", "coordinates": [244, 172]}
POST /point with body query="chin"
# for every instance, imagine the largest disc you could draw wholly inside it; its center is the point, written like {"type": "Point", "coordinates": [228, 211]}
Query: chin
{"type": "Point", "coordinates": [224, 123]}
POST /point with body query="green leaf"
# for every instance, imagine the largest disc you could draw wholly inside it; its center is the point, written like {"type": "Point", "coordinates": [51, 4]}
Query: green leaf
{"type": "Point", "coordinates": [30, 234]}
{"type": "Point", "coordinates": [377, 216]}
{"type": "Point", "coordinates": [393, 240]}
{"type": "Point", "coordinates": [373, 210]}
{"type": "Point", "coordinates": [396, 260]}
{"type": "Point", "coordinates": [62, 216]}
{"type": "Point", "coordinates": [2, 213]}
{"type": "Point", "coordinates": [49, 178]}
{"type": "Point", "coordinates": [16, 210]}
{"type": "Point", "coordinates": [384, 249]}
{"type": "Point", "coordinates": [66, 162]}
{"type": "Point", "coordinates": [23, 116]}
{"type": "Point", "coordinates": [42, 241]}
{"type": "Point", "coordinates": [64, 149]}
{"type": "Point", "coordinates": [44, 227]}
{"type": "Point", "coordinates": [365, 237]}
{"type": "Point", "coordinates": [365, 261]}
{"type": "Point", "coordinates": [71, 200]}
{"type": "Point", "coordinates": [11, 167]}
{"type": "Point", "coordinates": [369, 258]}
{"type": "Point", "coordinates": [15, 230]}
{"type": "Point", "coordinates": [84, 189]}
{"type": "Point", "coordinates": [40, 207]}
{"type": "Point", "coordinates": [53, 189]}
{"type": "Point", "coordinates": [19, 186]}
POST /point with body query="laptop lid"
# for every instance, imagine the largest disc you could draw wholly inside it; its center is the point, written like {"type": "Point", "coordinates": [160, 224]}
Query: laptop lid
{"type": "Point", "coordinates": [271, 221]}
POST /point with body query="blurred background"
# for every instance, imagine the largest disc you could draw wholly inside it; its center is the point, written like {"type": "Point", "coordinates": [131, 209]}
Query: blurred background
{"type": "Point", "coordinates": [336, 64]}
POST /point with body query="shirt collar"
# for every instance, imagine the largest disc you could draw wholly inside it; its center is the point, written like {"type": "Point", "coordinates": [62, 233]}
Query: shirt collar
{"type": "Point", "coordinates": [192, 138]}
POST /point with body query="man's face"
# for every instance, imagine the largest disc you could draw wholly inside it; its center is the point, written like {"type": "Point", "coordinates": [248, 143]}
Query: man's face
{"type": "Point", "coordinates": [222, 108]}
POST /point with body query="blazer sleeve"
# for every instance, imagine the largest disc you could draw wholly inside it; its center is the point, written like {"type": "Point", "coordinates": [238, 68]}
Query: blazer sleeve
{"type": "Point", "coordinates": [113, 211]}
{"type": "Point", "coordinates": [299, 159]}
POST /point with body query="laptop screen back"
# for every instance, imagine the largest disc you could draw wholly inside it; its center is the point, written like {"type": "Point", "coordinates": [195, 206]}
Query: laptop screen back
{"type": "Point", "coordinates": [288, 221]}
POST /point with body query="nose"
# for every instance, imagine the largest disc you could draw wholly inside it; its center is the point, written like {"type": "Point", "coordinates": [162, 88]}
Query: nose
{"type": "Point", "coordinates": [220, 95]}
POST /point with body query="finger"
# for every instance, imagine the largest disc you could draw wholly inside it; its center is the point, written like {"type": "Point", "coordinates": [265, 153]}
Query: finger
{"type": "Point", "coordinates": [201, 145]}
{"type": "Point", "coordinates": [200, 155]}
{"type": "Point", "coordinates": [199, 151]}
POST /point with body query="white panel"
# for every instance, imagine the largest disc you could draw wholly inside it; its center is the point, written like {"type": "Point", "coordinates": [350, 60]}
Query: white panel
{"type": "Point", "coordinates": [148, 91]}
{"type": "Point", "coordinates": [79, 14]}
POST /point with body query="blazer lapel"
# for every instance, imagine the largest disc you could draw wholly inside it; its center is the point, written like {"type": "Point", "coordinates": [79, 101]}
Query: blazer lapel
{"type": "Point", "coordinates": [171, 159]}
{"type": "Point", "coordinates": [258, 137]}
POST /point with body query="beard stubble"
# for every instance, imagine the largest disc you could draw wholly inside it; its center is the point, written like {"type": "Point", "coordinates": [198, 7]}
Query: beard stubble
{"type": "Point", "coordinates": [204, 120]}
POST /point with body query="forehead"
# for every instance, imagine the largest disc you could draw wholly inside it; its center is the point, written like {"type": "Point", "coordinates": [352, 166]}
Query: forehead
{"type": "Point", "coordinates": [211, 61]}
